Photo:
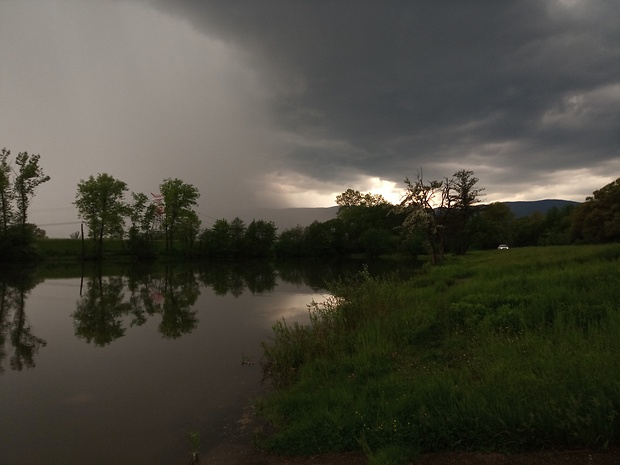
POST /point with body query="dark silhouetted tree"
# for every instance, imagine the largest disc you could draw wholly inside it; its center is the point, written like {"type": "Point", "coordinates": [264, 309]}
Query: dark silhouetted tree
{"type": "Point", "coordinates": [100, 202]}
{"type": "Point", "coordinates": [143, 217]}
{"type": "Point", "coordinates": [179, 198]}
{"type": "Point", "coordinates": [360, 213]}
{"type": "Point", "coordinates": [437, 210]}
{"type": "Point", "coordinates": [17, 188]}
{"type": "Point", "coordinates": [259, 238]}
{"type": "Point", "coordinates": [29, 176]}
{"type": "Point", "coordinates": [598, 218]}
{"type": "Point", "coordinates": [6, 192]}
{"type": "Point", "coordinates": [493, 226]}
{"type": "Point", "coordinates": [463, 197]}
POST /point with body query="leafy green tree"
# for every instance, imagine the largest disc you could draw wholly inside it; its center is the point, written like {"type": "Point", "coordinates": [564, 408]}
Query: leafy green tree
{"type": "Point", "coordinates": [218, 239]}
{"type": "Point", "coordinates": [178, 198]}
{"type": "Point", "coordinates": [598, 218]}
{"type": "Point", "coordinates": [259, 238]}
{"type": "Point", "coordinates": [377, 241]}
{"type": "Point", "coordinates": [188, 229]}
{"type": "Point", "coordinates": [413, 243]}
{"type": "Point", "coordinates": [557, 226]}
{"type": "Point", "coordinates": [224, 239]}
{"type": "Point", "coordinates": [318, 239]}
{"type": "Point", "coordinates": [291, 242]}
{"type": "Point", "coordinates": [29, 177]}
{"type": "Point", "coordinates": [527, 230]}
{"type": "Point", "coordinates": [354, 198]}
{"type": "Point", "coordinates": [32, 230]}
{"type": "Point", "coordinates": [360, 213]}
{"type": "Point", "coordinates": [17, 188]}
{"type": "Point", "coordinates": [143, 214]}
{"type": "Point", "coordinates": [100, 202]}
{"type": "Point", "coordinates": [338, 236]}
{"type": "Point", "coordinates": [221, 237]}
{"type": "Point", "coordinates": [6, 192]}
{"type": "Point", "coordinates": [493, 226]}
{"type": "Point", "coordinates": [143, 217]}
{"type": "Point", "coordinates": [237, 236]}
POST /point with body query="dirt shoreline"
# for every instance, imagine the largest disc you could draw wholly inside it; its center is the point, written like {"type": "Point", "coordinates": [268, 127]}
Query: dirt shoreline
{"type": "Point", "coordinates": [241, 454]}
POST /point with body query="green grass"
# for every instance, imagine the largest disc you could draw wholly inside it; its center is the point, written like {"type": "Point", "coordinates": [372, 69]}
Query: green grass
{"type": "Point", "coordinates": [71, 249]}
{"type": "Point", "coordinates": [500, 350]}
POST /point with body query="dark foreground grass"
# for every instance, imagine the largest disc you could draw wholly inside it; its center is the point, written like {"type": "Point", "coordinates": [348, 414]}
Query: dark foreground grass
{"type": "Point", "coordinates": [504, 350]}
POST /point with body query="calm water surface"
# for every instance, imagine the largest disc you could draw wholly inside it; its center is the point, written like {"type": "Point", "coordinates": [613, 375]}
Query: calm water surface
{"type": "Point", "coordinates": [116, 366]}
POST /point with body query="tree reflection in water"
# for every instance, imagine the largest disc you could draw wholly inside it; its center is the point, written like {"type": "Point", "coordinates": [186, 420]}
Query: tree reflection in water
{"type": "Point", "coordinates": [15, 284]}
{"type": "Point", "coordinates": [235, 277]}
{"type": "Point", "coordinates": [181, 290]}
{"type": "Point", "coordinates": [110, 303]}
{"type": "Point", "coordinates": [99, 314]}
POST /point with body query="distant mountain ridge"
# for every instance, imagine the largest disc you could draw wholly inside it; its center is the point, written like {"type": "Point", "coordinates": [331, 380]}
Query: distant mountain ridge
{"type": "Point", "coordinates": [287, 218]}
{"type": "Point", "coordinates": [526, 208]}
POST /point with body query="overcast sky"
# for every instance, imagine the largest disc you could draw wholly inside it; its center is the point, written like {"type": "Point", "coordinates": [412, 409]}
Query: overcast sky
{"type": "Point", "coordinates": [288, 103]}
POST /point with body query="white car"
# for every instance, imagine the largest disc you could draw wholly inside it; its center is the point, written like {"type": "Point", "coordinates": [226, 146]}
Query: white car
{"type": "Point", "coordinates": [503, 247]}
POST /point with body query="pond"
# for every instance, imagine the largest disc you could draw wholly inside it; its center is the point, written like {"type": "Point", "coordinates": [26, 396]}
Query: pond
{"type": "Point", "coordinates": [118, 365]}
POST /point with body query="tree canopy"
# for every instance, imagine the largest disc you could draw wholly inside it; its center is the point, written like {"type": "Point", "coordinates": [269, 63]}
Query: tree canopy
{"type": "Point", "coordinates": [440, 211]}
{"type": "Point", "coordinates": [101, 203]}
{"type": "Point", "coordinates": [179, 198]}
{"type": "Point", "coordinates": [18, 184]}
{"type": "Point", "coordinates": [434, 216]}
{"type": "Point", "coordinates": [598, 218]}
{"type": "Point", "coordinates": [29, 176]}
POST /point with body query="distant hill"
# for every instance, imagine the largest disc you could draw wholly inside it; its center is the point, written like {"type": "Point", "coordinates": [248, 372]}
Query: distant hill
{"type": "Point", "coordinates": [526, 208]}
{"type": "Point", "coordinates": [287, 218]}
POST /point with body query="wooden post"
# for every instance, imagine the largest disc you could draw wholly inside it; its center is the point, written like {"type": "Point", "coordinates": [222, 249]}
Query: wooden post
{"type": "Point", "coordinates": [82, 230]}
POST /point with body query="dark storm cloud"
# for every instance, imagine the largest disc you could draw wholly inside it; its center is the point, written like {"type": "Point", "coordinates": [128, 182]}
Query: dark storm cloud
{"type": "Point", "coordinates": [287, 103]}
{"type": "Point", "coordinates": [405, 84]}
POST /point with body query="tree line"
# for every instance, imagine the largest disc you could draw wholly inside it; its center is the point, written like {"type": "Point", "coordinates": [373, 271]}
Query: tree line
{"type": "Point", "coordinates": [446, 216]}
{"type": "Point", "coordinates": [168, 216]}
{"type": "Point", "coordinates": [101, 205]}
{"type": "Point", "coordinates": [433, 218]}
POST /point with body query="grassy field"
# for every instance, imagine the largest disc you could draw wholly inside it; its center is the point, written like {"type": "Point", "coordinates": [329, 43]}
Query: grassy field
{"type": "Point", "coordinates": [505, 350]}
{"type": "Point", "coordinates": [71, 249]}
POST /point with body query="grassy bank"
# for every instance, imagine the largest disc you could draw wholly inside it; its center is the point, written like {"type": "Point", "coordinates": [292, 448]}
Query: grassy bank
{"type": "Point", "coordinates": [501, 350]}
{"type": "Point", "coordinates": [74, 249]}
